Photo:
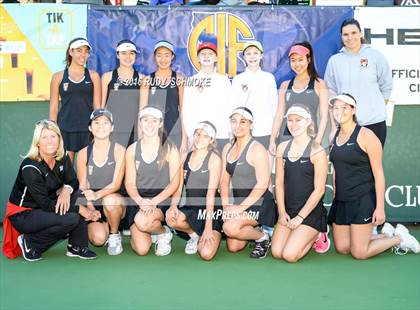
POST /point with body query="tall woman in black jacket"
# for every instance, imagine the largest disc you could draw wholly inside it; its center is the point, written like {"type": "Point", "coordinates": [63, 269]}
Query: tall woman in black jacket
{"type": "Point", "coordinates": [42, 203]}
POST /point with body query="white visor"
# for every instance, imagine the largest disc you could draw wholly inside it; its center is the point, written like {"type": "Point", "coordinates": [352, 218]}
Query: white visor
{"type": "Point", "coordinates": [79, 43]}
{"type": "Point", "coordinates": [347, 99]}
{"type": "Point", "coordinates": [296, 110]}
{"type": "Point", "coordinates": [207, 128]}
{"type": "Point", "coordinates": [244, 113]}
{"type": "Point", "coordinates": [151, 111]}
{"type": "Point", "coordinates": [126, 47]}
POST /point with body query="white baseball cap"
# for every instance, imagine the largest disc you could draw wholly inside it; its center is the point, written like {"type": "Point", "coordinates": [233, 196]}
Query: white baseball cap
{"type": "Point", "coordinates": [155, 112]}
{"type": "Point", "coordinates": [78, 42]}
{"type": "Point", "coordinates": [208, 127]}
{"type": "Point", "coordinates": [298, 110]}
{"type": "Point", "coordinates": [347, 98]}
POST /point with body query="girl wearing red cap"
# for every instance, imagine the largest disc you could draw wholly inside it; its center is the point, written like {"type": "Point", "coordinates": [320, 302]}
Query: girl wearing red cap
{"type": "Point", "coordinates": [124, 78]}
{"type": "Point", "coordinates": [100, 170]}
{"type": "Point", "coordinates": [79, 91]}
{"type": "Point", "coordinates": [207, 97]}
{"type": "Point", "coordinates": [305, 88]}
{"type": "Point", "coordinates": [301, 174]}
{"type": "Point", "coordinates": [163, 89]}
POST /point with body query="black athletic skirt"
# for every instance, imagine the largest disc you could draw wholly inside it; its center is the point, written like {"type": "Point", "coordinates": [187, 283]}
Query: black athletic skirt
{"type": "Point", "coordinates": [75, 141]}
{"type": "Point", "coordinates": [265, 210]}
{"type": "Point", "coordinates": [317, 219]}
{"type": "Point", "coordinates": [196, 218]}
{"type": "Point", "coordinates": [358, 211]}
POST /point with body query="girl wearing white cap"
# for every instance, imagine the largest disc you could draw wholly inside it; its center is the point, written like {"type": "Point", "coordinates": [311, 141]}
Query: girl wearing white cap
{"type": "Point", "coordinates": [245, 166]}
{"type": "Point", "coordinates": [305, 88]}
{"type": "Point", "coordinates": [125, 77]}
{"type": "Point", "coordinates": [79, 91]}
{"type": "Point", "coordinates": [257, 90]}
{"type": "Point", "coordinates": [199, 217]}
{"type": "Point", "coordinates": [163, 89]}
{"type": "Point", "coordinates": [207, 97]}
{"type": "Point", "coordinates": [301, 174]}
{"type": "Point", "coordinates": [359, 189]}
{"type": "Point", "coordinates": [100, 170]}
{"type": "Point", "coordinates": [152, 176]}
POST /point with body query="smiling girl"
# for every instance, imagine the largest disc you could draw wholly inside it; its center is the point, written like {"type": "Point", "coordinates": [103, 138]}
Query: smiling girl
{"type": "Point", "coordinates": [79, 91]}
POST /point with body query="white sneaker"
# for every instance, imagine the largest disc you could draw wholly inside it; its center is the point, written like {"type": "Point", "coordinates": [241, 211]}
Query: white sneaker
{"type": "Point", "coordinates": [388, 230]}
{"type": "Point", "coordinates": [163, 243]}
{"type": "Point", "coordinates": [408, 242]}
{"type": "Point", "coordinates": [114, 244]}
{"type": "Point", "coordinates": [192, 246]}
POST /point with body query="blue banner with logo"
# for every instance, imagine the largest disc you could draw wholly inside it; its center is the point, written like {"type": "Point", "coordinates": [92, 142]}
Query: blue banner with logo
{"type": "Point", "coordinates": [277, 28]}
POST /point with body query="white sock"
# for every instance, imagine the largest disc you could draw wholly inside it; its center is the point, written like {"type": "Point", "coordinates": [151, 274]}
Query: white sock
{"type": "Point", "coordinates": [194, 236]}
{"type": "Point", "coordinates": [263, 238]}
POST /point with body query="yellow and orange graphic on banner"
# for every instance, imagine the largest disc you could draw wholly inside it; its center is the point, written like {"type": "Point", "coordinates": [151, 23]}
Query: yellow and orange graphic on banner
{"type": "Point", "coordinates": [23, 73]}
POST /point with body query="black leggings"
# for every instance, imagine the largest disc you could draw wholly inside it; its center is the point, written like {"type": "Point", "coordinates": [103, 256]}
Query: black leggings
{"type": "Point", "coordinates": [43, 229]}
{"type": "Point", "coordinates": [379, 129]}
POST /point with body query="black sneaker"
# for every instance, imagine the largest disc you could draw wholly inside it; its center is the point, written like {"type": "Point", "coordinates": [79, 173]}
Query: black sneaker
{"type": "Point", "coordinates": [261, 249]}
{"type": "Point", "coordinates": [31, 255]}
{"type": "Point", "coordinates": [81, 252]}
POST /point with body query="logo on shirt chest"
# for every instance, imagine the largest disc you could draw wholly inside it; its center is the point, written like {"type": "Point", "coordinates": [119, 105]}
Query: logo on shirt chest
{"type": "Point", "coordinates": [153, 90]}
{"type": "Point", "coordinates": [288, 96]}
{"type": "Point", "coordinates": [90, 169]}
{"type": "Point", "coordinates": [61, 168]}
{"type": "Point", "coordinates": [244, 87]}
{"type": "Point", "coordinates": [116, 86]}
{"type": "Point", "coordinates": [65, 86]}
{"type": "Point", "coordinates": [364, 62]}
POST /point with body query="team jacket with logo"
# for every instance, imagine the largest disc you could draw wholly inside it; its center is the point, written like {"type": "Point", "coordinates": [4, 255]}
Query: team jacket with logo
{"type": "Point", "coordinates": [36, 184]}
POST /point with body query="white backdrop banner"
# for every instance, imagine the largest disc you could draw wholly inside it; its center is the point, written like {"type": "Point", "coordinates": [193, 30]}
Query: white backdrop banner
{"type": "Point", "coordinates": [395, 31]}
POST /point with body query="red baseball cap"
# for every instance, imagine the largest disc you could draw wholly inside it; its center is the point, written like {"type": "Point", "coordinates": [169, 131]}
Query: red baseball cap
{"type": "Point", "coordinates": [208, 45]}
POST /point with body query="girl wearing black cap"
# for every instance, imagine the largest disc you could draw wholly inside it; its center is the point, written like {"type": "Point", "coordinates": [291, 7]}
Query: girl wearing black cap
{"type": "Point", "coordinates": [100, 170]}
{"type": "Point", "coordinates": [152, 176]}
{"type": "Point", "coordinates": [164, 89]}
{"type": "Point", "coordinates": [245, 166]}
{"type": "Point", "coordinates": [359, 189]}
{"type": "Point", "coordinates": [42, 205]}
{"type": "Point", "coordinates": [79, 91]}
{"type": "Point", "coordinates": [301, 173]}
{"type": "Point", "coordinates": [199, 217]}
{"type": "Point", "coordinates": [115, 84]}
{"type": "Point", "coordinates": [305, 88]}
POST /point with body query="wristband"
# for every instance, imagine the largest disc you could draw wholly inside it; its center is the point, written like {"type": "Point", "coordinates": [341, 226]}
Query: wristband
{"type": "Point", "coordinates": [69, 186]}
{"type": "Point", "coordinates": [300, 217]}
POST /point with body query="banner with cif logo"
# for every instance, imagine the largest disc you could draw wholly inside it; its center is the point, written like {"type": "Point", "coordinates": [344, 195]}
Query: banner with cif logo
{"type": "Point", "coordinates": [277, 28]}
{"type": "Point", "coordinates": [33, 43]}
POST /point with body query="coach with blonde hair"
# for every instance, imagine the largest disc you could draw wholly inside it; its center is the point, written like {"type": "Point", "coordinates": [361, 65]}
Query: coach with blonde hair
{"type": "Point", "coordinates": [41, 208]}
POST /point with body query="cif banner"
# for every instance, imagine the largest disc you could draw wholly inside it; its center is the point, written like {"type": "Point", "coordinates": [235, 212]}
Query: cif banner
{"type": "Point", "coordinates": [277, 28]}
{"type": "Point", "coordinates": [398, 37]}
{"type": "Point", "coordinates": [33, 43]}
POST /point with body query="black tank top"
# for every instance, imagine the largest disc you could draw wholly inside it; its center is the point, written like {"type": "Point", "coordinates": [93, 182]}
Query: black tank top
{"type": "Point", "coordinates": [150, 179]}
{"type": "Point", "coordinates": [298, 179]}
{"type": "Point", "coordinates": [353, 173]}
{"type": "Point", "coordinates": [306, 97]}
{"type": "Point", "coordinates": [166, 98]}
{"type": "Point", "coordinates": [76, 103]}
{"type": "Point", "coordinates": [242, 174]}
{"type": "Point", "coordinates": [196, 182]}
{"type": "Point", "coordinates": [116, 83]}
{"type": "Point", "coordinates": [101, 176]}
